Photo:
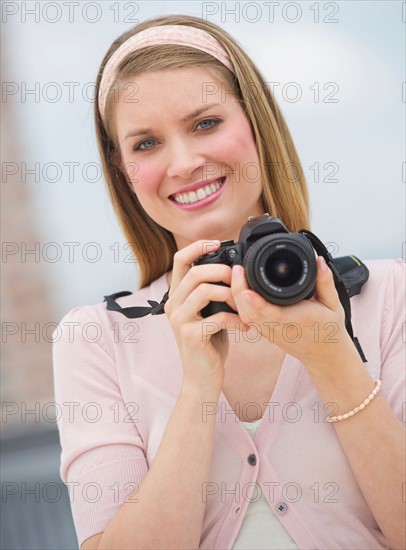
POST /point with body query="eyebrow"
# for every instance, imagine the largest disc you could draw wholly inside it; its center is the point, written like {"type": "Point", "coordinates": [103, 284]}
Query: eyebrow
{"type": "Point", "coordinates": [197, 112]}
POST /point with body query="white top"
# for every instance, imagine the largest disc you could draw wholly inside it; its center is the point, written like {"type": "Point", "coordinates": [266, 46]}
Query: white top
{"type": "Point", "coordinates": [261, 529]}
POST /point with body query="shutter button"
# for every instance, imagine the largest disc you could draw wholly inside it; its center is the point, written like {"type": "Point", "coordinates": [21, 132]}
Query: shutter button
{"type": "Point", "coordinates": [252, 459]}
{"type": "Point", "coordinates": [281, 508]}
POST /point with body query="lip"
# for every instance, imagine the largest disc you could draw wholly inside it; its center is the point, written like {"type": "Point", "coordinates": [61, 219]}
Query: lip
{"type": "Point", "coordinates": [203, 202]}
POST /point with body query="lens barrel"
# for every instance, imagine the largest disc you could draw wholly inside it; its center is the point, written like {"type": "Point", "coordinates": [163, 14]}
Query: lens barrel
{"type": "Point", "coordinates": [281, 268]}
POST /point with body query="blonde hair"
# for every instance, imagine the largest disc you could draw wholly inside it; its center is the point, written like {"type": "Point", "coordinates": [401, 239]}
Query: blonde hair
{"type": "Point", "coordinates": [284, 189]}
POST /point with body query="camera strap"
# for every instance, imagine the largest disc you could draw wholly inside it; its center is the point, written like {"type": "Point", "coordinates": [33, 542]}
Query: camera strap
{"type": "Point", "coordinates": [136, 312]}
{"type": "Point", "coordinates": [349, 274]}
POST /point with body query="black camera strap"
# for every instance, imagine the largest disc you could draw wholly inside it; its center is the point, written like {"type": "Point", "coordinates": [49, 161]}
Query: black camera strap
{"type": "Point", "coordinates": [342, 291]}
{"type": "Point", "coordinates": [136, 312]}
{"type": "Point", "coordinates": [349, 275]}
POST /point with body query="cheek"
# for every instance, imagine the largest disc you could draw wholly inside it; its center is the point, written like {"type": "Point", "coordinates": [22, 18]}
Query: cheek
{"type": "Point", "coordinates": [239, 142]}
{"type": "Point", "coordinates": [143, 177]}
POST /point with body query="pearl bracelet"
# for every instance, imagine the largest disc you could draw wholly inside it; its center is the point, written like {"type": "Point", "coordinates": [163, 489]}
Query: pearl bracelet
{"type": "Point", "coordinates": [359, 408]}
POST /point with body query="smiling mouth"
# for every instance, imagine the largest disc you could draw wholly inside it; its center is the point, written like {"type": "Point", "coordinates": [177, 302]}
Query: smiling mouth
{"type": "Point", "coordinates": [200, 194]}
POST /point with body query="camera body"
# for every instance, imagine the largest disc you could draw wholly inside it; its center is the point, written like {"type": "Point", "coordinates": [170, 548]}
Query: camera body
{"type": "Point", "coordinates": [279, 265]}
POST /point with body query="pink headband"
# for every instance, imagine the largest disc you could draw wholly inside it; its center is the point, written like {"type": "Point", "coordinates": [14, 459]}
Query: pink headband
{"type": "Point", "coordinates": [162, 34]}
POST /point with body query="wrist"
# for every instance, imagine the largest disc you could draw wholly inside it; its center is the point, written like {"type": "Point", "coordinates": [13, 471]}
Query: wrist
{"type": "Point", "coordinates": [336, 367]}
{"type": "Point", "coordinates": [344, 384]}
{"type": "Point", "coordinates": [200, 393]}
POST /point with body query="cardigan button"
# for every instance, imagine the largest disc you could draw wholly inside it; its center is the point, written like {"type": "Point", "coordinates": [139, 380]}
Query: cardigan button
{"type": "Point", "coordinates": [252, 459]}
{"type": "Point", "coordinates": [281, 508]}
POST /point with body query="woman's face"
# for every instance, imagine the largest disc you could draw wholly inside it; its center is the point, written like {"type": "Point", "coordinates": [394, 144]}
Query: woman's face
{"type": "Point", "coordinates": [176, 148]}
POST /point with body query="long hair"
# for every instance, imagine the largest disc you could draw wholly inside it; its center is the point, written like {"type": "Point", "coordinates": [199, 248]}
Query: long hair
{"type": "Point", "coordinates": [284, 190]}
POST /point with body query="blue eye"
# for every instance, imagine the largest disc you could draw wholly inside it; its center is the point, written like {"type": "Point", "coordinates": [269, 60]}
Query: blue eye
{"type": "Point", "coordinates": [214, 120]}
{"type": "Point", "coordinates": [137, 147]}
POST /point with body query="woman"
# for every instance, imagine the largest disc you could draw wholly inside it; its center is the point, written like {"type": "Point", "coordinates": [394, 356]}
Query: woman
{"type": "Point", "coordinates": [158, 453]}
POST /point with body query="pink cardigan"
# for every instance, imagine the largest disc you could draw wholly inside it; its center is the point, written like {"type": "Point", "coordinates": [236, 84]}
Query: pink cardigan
{"type": "Point", "coordinates": [117, 381]}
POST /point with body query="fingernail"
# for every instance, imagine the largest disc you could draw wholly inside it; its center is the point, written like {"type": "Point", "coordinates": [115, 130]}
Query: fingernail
{"type": "Point", "coordinates": [323, 265]}
{"type": "Point", "coordinates": [210, 246]}
{"type": "Point", "coordinates": [237, 270]}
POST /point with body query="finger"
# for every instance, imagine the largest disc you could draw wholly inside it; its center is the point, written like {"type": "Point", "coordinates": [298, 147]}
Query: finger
{"type": "Point", "coordinates": [199, 274]}
{"type": "Point", "coordinates": [238, 279]}
{"type": "Point", "coordinates": [223, 321]}
{"type": "Point", "coordinates": [202, 296]}
{"type": "Point", "coordinates": [326, 292]}
{"type": "Point", "coordinates": [247, 300]}
{"type": "Point", "coordinates": [184, 258]}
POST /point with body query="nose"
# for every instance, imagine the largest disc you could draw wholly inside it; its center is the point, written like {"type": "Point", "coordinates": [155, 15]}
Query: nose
{"type": "Point", "coordinates": [184, 159]}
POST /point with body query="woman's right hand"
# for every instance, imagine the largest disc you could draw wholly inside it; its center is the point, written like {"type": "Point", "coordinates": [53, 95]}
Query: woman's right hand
{"type": "Point", "coordinates": [202, 342]}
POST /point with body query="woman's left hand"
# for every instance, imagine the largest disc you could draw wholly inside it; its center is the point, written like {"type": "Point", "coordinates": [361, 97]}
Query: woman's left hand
{"type": "Point", "coordinates": [312, 330]}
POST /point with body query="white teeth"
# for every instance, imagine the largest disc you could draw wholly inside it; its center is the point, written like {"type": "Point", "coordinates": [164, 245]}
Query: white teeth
{"type": "Point", "coordinates": [202, 193]}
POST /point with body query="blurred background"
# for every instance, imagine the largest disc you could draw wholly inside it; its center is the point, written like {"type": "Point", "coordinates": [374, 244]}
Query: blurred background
{"type": "Point", "coordinates": [337, 71]}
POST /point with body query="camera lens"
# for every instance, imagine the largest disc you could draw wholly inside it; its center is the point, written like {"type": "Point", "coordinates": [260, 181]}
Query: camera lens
{"type": "Point", "coordinates": [281, 267]}
{"type": "Point", "coordinates": [284, 268]}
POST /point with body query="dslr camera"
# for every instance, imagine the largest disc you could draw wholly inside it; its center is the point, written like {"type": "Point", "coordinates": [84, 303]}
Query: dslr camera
{"type": "Point", "coordinates": [279, 265]}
